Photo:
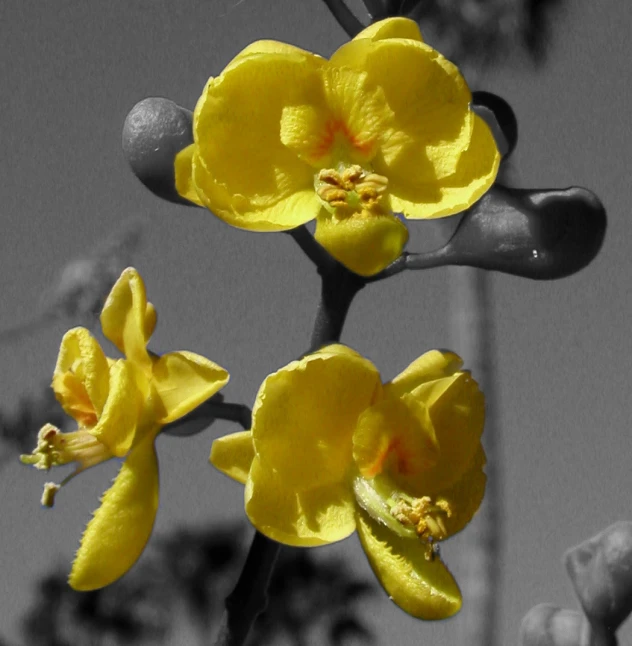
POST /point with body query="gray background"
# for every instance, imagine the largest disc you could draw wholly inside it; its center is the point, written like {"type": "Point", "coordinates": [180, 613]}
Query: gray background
{"type": "Point", "coordinates": [69, 73]}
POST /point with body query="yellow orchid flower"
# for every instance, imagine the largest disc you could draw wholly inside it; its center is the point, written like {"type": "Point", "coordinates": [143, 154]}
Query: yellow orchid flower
{"type": "Point", "coordinates": [333, 450]}
{"type": "Point", "coordinates": [283, 136]}
{"type": "Point", "coordinates": [120, 407]}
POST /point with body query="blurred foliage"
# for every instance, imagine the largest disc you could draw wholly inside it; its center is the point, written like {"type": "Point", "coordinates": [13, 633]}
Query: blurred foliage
{"type": "Point", "coordinates": [478, 33]}
{"type": "Point", "coordinates": [190, 571]}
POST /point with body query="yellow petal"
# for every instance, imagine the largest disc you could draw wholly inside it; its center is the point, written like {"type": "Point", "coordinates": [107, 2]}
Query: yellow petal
{"type": "Point", "coordinates": [430, 102]}
{"type": "Point", "coordinates": [123, 317]}
{"type": "Point", "coordinates": [422, 587]}
{"type": "Point", "coordinates": [151, 318]}
{"type": "Point", "coordinates": [81, 377]}
{"type": "Point", "coordinates": [428, 367]}
{"type": "Point", "coordinates": [365, 244]}
{"type": "Point", "coordinates": [346, 119]}
{"type": "Point", "coordinates": [305, 414]}
{"type": "Point", "coordinates": [393, 436]}
{"type": "Point", "coordinates": [466, 495]}
{"type": "Point", "coordinates": [183, 381]}
{"type": "Point", "coordinates": [474, 174]}
{"type": "Point", "coordinates": [394, 27]}
{"type": "Point", "coordinates": [457, 410]}
{"type": "Point", "coordinates": [239, 211]}
{"type": "Point", "coordinates": [120, 419]}
{"type": "Point", "coordinates": [245, 167]}
{"type": "Point", "coordinates": [304, 519]}
{"type": "Point", "coordinates": [268, 47]}
{"type": "Point", "coordinates": [233, 455]}
{"type": "Point", "coordinates": [121, 527]}
{"type": "Point", "coordinates": [184, 175]}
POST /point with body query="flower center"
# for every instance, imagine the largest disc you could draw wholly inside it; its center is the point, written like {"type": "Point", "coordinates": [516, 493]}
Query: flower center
{"type": "Point", "coordinates": [426, 517]}
{"type": "Point", "coordinates": [55, 448]}
{"type": "Point", "coordinates": [351, 190]}
{"type": "Point", "coordinates": [405, 515]}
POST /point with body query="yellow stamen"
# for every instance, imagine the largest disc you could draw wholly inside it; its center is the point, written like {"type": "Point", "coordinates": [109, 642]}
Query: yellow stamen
{"type": "Point", "coordinates": [351, 190]}
{"type": "Point", "coordinates": [427, 517]}
{"type": "Point", "coordinates": [55, 448]}
{"type": "Point", "coordinates": [48, 495]}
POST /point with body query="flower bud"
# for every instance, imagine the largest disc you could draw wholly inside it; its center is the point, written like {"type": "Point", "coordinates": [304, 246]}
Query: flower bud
{"type": "Point", "coordinates": [539, 234]}
{"type": "Point", "coordinates": [155, 130]}
{"type": "Point", "coordinates": [601, 571]}
{"type": "Point", "coordinates": [548, 625]}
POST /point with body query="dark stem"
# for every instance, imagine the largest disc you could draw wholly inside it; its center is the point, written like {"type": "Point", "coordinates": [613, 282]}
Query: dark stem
{"type": "Point", "coordinates": [376, 9]}
{"type": "Point", "coordinates": [314, 251]}
{"type": "Point", "coordinates": [345, 17]}
{"type": "Point", "coordinates": [249, 598]}
{"type": "Point", "coordinates": [339, 286]}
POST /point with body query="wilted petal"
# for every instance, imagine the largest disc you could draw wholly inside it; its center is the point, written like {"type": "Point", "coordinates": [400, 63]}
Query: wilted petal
{"type": "Point", "coordinates": [81, 377]}
{"type": "Point", "coordinates": [121, 527]}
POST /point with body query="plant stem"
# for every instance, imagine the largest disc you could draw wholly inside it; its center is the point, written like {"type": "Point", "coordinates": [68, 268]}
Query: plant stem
{"type": "Point", "coordinates": [249, 597]}
{"type": "Point", "coordinates": [314, 251]}
{"type": "Point", "coordinates": [376, 9]}
{"type": "Point", "coordinates": [345, 17]}
{"type": "Point", "coordinates": [339, 286]}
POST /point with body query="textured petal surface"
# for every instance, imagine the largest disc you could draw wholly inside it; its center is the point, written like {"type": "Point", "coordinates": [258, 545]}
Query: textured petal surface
{"type": "Point", "coordinates": [81, 377]}
{"type": "Point", "coordinates": [291, 209]}
{"type": "Point", "coordinates": [120, 529]}
{"type": "Point", "coordinates": [423, 588]}
{"type": "Point", "coordinates": [119, 421]}
{"type": "Point", "coordinates": [305, 414]}
{"type": "Point", "coordinates": [394, 27]}
{"type": "Point", "coordinates": [248, 168]}
{"type": "Point", "coordinates": [363, 244]}
{"type": "Point", "coordinates": [430, 102]}
{"type": "Point", "coordinates": [315, 517]}
{"type": "Point", "coordinates": [184, 380]}
{"type": "Point", "coordinates": [474, 174]}
{"type": "Point", "coordinates": [184, 175]}
{"type": "Point", "coordinates": [123, 318]}
{"type": "Point", "coordinates": [233, 455]}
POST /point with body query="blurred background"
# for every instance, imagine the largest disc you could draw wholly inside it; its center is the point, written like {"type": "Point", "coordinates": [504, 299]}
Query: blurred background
{"type": "Point", "coordinates": [73, 215]}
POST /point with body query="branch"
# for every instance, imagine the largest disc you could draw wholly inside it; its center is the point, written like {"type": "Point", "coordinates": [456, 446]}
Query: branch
{"type": "Point", "coordinates": [345, 17]}
{"type": "Point", "coordinates": [314, 251]}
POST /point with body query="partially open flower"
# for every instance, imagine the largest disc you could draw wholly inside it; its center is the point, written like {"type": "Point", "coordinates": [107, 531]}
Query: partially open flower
{"type": "Point", "coordinates": [120, 407]}
{"type": "Point", "coordinates": [283, 136]}
{"type": "Point", "coordinates": [332, 450]}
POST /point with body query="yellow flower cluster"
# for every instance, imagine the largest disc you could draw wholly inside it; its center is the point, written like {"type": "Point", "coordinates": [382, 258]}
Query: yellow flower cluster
{"type": "Point", "coordinates": [283, 136]}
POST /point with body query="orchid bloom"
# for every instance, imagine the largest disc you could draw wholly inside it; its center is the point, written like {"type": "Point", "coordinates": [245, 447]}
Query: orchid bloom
{"type": "Point", "coordinates": [283, 136]}
{"type": "Point", "coordinates": [120, 407]}
{"type": "Point", "coordinates": [332, 450]}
